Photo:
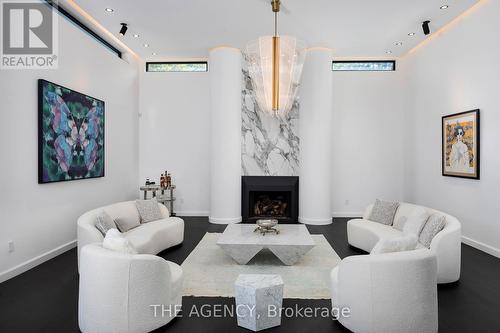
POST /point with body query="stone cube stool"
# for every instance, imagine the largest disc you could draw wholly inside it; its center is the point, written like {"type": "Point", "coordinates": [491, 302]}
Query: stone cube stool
{"type": "Point", "coordinates": [259, 298]}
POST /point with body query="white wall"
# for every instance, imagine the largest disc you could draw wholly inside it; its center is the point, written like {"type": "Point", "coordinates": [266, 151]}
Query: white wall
{"type": "Point", "coordinates": [41, 219]}
{"type": "Point", "coordinates": [175, 135]}
{"type": "Point", "coordinates": [368, 129]}
{"type": "Point", "coordinates": [458, 71]}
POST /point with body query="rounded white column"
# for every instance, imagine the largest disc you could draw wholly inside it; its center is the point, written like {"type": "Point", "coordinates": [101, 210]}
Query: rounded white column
{"type": "Point", "coordinates": [315, 197]}
{"type": "Point", "coordinates": [225, 65]}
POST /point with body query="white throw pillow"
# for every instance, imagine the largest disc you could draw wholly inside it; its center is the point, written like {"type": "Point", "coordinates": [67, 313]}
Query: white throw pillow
{"type": "Point", "coordinates": [415, 222]}
{"type": "Point", "coordinates": [125, 215]}
{"type": "Point", "coordinates": [399, 223]}
{"type": "Point", "coordinates": [115, 241]}
{"type": "Point", "coordinates": [399, 244]}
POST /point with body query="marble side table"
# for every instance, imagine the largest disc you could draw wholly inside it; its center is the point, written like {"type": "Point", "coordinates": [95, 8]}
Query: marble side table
{"type": "Point", "coordinates": [259, 299]}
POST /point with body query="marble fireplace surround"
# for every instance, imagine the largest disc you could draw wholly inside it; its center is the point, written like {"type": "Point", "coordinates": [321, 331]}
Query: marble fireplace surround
{"type": "Point", "coordinates": [253, 143]}
{"type": "Point", "coordinates": [270, 145]}
{"type": "Point", "coordinates": [264, 184]}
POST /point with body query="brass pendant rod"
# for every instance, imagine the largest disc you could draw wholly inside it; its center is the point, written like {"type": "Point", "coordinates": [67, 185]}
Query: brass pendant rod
{"type": "Point", "coordinates": [276, 59]}
{"type": "Point", "coordinates": [276, 73]}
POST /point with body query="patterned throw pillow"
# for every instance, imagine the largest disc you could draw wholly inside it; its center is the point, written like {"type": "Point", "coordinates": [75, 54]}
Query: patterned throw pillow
{"type": "Point", "coordinates": [383, 212]}
{"type": "Point", "coordinates": [435, 224]}
{"type": "Point", "coordinates": [148, 210]}
{"type": "Point", "coordinates": [104, 222]}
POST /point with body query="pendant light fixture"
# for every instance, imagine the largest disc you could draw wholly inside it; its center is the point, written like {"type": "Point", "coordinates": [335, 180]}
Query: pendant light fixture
{"type": "Point", "coordinates": [275, 66]}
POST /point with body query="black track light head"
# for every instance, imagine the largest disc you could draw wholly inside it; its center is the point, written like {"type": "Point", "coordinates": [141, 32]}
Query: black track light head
{"type": "Point", "coordinates": [426, 28]}
{"type": "Point", "coordinates": [123, 29]}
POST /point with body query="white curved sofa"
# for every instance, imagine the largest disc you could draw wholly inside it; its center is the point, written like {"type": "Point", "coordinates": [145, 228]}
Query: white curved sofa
{"type": "Point", "coordinates": [390, 292]}
{"type": "Point", "coordinates": [148, 238]}
{"type": "Point", "coordinates": [446, 245]}
{"type": "Point", "coordinates": [117, 291]}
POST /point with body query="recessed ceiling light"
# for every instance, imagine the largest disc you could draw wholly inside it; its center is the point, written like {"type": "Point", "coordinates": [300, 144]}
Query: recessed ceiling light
{"type": "Point", "coordinates": [388, 52]}
{"type": "Point", "coordinates": [136, 35]}
{"type": "Point", "coordinates": [411, 34]}
{"type": "Point", "coordinates": [444, 7]}
{"type": "Point", "coordinates": [398, 43]}
{"type": "Point", "coordinates": [146, 45]}
{"type": "Point", "coordinates": [154, 53]}
{"type": "Point", "coordinates": [109, 10]}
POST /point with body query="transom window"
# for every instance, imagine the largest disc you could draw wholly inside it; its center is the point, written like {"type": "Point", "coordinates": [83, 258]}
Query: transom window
{"type": "Point", "coordinates": [364, 65]}
{"type": "Point", "coordinates": [186, 66]}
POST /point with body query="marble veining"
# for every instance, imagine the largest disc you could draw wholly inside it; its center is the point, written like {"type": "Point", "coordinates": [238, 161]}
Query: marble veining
{"type": "Point", "coordinates": [259, 299]}
{"type": "Point", "coordinates": [270, 145]}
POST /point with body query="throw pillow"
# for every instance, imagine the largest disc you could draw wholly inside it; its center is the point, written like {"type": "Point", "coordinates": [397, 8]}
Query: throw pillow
{"type": "Point", "coordinates": [115, 241]}
{"type": "Point", "coordinates": [415, 221]}
{"type": "Point", "coordinates": [104, 222]}
{"type": "Point", "coordinates": [148, 210]}
{"type": "Point", "coordinates": [383, 212]}
{"type": "Point", "coordinates": [125, 224]}
{"type": "Point", "coordinates": [399, 223]}
{"type": "Point", "coordinates": [399, 244]}
{"type": "Point", "coordinates": [434, 224]}
{"type": "Point", "coordinates": [125, 215]}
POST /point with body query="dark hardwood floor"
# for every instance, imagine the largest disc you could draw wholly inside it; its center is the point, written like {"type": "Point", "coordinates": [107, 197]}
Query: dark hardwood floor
{"type": "Point", "coordinates": [45, 298]}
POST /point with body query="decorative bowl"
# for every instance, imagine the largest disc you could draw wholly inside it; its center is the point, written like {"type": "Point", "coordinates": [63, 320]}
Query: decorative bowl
{"type": "Point", "coordinates": [267, 224]}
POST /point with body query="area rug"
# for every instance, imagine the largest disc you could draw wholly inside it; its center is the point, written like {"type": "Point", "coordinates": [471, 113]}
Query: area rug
{"type": "Point", "coordinates": [209, 271]}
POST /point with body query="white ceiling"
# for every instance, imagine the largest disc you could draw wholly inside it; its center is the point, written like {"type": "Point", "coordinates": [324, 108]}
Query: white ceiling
{"type": "Point", "coordinates": [352, 28]}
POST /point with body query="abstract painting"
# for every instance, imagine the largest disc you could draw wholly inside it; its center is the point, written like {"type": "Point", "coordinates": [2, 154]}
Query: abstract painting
{"type": "Point", "coordinates": [70, 134]}
{"type": "Point", "coordinates": [460, 153]}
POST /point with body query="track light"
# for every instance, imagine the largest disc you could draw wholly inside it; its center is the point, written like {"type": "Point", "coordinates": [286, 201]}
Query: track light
{"type": "Point", "coordinates": [426, 28]}
{"type": "Point", "coordinates": [123, 29]}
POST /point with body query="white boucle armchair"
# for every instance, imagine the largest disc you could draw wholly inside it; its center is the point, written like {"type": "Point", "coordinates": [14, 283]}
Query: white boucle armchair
{"type": "Point", "coordinates": [118, 291]}
{"type": "Point", "coordinates": [390, 292]}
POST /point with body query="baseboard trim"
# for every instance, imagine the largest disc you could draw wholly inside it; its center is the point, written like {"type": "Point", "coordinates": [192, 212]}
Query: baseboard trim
{"type": "Point", "coordinates": [347, 214]}
{"type": "Point", "coordinates": [29, 264]}
{"type": "Point", "coordinates": [192, 213]}
{"type": "Point", "coordinates": [481, 246]}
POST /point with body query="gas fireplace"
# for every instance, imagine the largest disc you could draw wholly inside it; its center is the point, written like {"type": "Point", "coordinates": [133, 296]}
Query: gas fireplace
{"type": "Point", "coordinates": [270, 197]}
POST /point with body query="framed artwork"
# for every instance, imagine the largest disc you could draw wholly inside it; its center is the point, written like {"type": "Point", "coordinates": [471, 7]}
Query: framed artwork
{"type": "Point", "coordinates": [70, 134]}
{"type": "Point", "coordinates": [460, 153]}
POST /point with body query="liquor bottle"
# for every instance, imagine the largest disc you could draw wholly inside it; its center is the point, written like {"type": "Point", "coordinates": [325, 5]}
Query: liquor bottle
{"type": "Point", "coordinates": [169, 180]}
{"type": "Point", "coordinates": [162, 181]}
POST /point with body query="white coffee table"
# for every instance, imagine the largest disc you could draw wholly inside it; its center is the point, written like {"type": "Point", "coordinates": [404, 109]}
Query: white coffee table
{"type": "Point", "coordinates": [241, 242]}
